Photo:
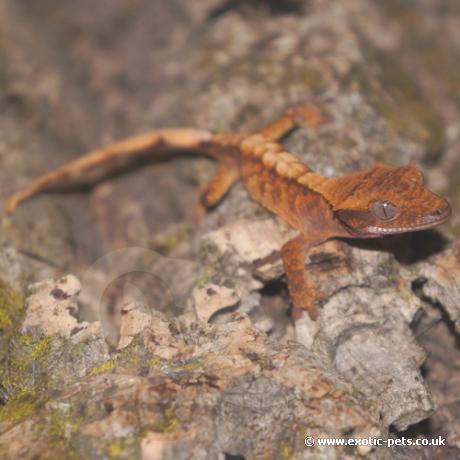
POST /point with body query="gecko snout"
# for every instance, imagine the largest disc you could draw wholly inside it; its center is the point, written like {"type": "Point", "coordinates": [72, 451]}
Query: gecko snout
{"type": "Point", "coordinates": [439, 215]}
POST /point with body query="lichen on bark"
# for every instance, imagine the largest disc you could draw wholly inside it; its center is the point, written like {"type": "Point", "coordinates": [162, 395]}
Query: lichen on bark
{"type": "Point", "coordinates": [202, 362]}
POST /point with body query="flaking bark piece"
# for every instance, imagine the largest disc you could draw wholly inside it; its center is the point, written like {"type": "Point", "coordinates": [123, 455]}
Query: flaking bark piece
{"type": "Point", "coordinates": [221, 382]}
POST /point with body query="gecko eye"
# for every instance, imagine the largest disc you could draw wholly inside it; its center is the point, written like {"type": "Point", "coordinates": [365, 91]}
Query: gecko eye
{"type": "Point", "coordinates": [384, 210]}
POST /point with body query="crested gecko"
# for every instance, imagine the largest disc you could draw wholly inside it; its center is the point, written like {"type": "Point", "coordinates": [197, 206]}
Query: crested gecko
{"type": "Point", "coordinates": [382, 200]}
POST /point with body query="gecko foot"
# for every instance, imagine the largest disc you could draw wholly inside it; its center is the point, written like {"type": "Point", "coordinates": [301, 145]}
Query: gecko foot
{"type": "Point", "coordinates": [306, 327]}
{"type": "Point", "coordinates": [304, 300]}
{"type": "Point", "coordinates": [307, 115]}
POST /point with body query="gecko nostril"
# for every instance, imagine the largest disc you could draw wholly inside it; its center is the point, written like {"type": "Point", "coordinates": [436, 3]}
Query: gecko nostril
{"type": "Point", "coordinates": [440, 213]}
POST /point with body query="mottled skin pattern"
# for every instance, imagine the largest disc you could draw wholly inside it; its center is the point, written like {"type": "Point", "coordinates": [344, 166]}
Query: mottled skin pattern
{"type": "Point", "coordinates": [375, 202]}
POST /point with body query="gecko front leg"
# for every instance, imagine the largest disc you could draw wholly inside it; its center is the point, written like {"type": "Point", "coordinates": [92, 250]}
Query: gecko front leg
{"type": "Point", "coordinates": [302, 292]}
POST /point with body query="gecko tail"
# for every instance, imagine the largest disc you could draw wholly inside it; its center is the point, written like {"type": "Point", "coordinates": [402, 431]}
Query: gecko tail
{"type": "Point", "coordinates": [165, 139]}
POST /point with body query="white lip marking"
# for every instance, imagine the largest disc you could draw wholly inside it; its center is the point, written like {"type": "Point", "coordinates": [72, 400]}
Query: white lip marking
{"type": "Point", "coordinates": [424, 226]}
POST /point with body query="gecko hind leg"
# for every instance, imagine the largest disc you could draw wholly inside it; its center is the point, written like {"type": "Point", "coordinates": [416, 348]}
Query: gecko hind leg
{"type": "Point", "coordinates": [212, 192]}
{"type": "Point", "coordinates": [305, 115]}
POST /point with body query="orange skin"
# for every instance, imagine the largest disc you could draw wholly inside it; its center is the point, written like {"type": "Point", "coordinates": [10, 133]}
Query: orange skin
{"type": "Point", "coordinates": [370, 203]}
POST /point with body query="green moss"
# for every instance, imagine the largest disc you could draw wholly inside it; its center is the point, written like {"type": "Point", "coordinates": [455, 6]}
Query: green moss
{"type": "Point", "coordinates": [115, 449]}
{"type": "Point", "coordinates": [287, 451]}
{"type": "Point", "coordinates": [206, 274]}
{"type": "Point", "coordinates": [366, 404]}
{"type": "Point", "coordinates": [190, 365]}
{"type": "Point", "coordinates": [11, 306]}
{"type": "Point", "coordinates": [106, 366]}
{"type": "Point", "coordinates": [26, 350]}
{"type": "Point", "coordinates": [62, 450]}
{"type": "Point", "coordinates": [22, 405]}
{"type": "Point", "coordinates": [5, 320]}
{"type": "Point", "coordinates": [369, 405]}
{"type": "Point", "coordinates": [154, 361]}
{"type": "Point", "coordinates": [170, 421]}
{"type": "Point", "coordinates": [168, 244]}
{"type": "Point", "coordinates": [131, 356]}
{"type": "Point", "coordinates": [59, 426]}
{"type": "Point", "coordinates": [27, 386]}
{"type": "Point", "coordinates": [57, 423]}
{"type": "Point", "coordinates": [37, 348]}
{"type": "Point", "coordinates": [127, 448]}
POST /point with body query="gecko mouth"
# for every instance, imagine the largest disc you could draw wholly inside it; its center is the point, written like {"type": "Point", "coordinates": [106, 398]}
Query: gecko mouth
{"type": "Point", "coordinates": [430, 220]}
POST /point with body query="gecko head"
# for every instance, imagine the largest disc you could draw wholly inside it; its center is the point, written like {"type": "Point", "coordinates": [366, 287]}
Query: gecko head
{"type": "Point", "coordinates": [386, 200]}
